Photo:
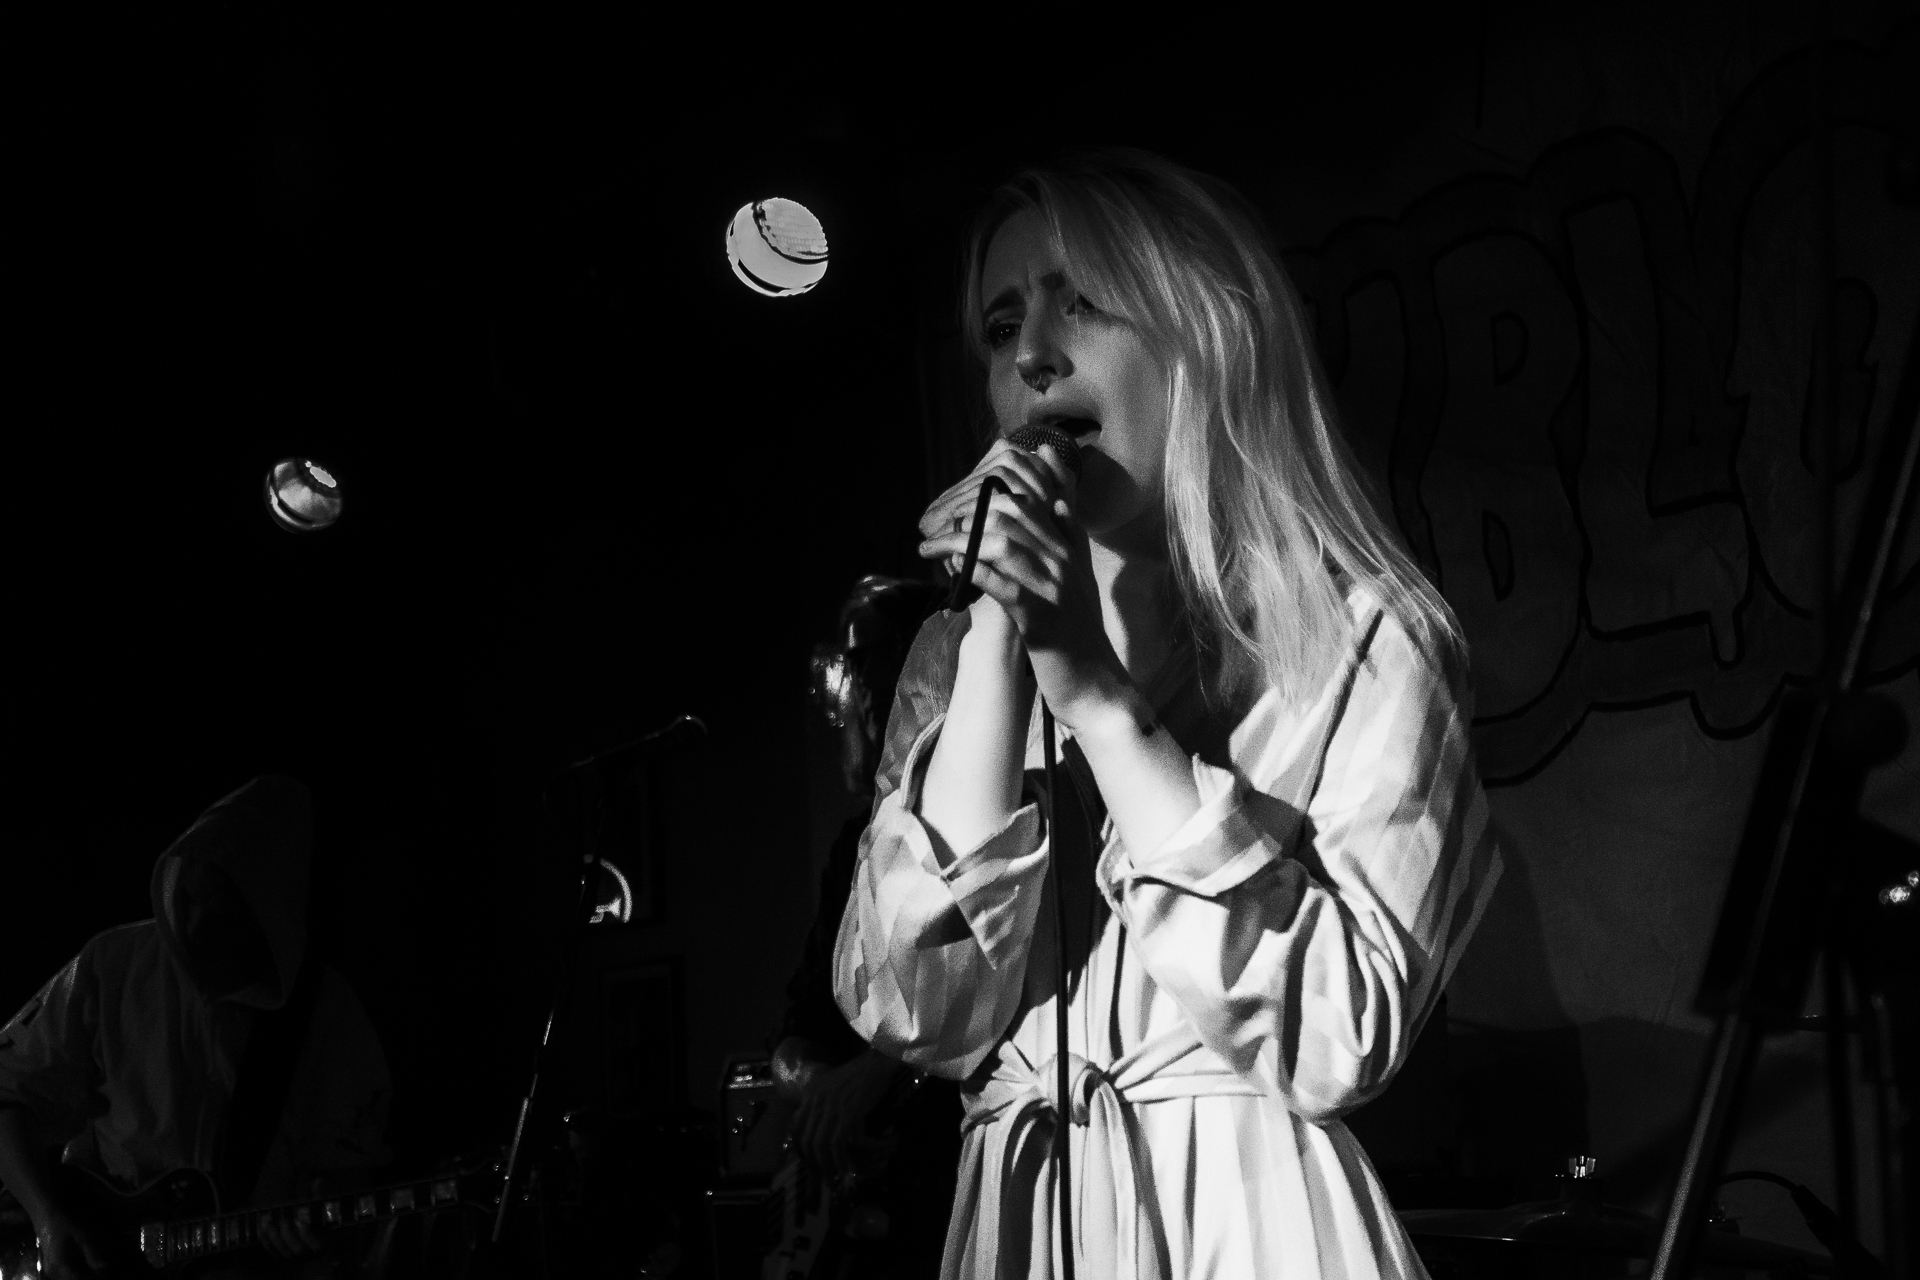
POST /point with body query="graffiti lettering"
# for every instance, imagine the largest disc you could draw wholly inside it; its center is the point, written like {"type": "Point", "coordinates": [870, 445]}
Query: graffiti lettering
{"type": "Point", "coordinates": [1590, 405]}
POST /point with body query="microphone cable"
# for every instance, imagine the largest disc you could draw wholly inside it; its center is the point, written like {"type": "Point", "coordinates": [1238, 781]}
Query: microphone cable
{"type": "Point", "coordinates": [1031, 438]}
{"type": "Point", "coordinates": [1063, 1109]}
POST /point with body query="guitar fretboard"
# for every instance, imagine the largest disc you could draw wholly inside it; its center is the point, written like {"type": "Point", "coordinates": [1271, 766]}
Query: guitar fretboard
{"type": "Point", "coordinates": [173, 1244]}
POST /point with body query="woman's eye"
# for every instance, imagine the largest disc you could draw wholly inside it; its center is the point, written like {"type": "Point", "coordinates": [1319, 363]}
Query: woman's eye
{"type": "Point", "coordinates": [1080, 306]}
{"type": "Point", "coordinates": [1000, 332]}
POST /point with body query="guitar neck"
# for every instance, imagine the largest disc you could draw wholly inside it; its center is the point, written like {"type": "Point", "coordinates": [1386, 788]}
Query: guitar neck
{"type": "Point", "coordinates": [180, 1241]}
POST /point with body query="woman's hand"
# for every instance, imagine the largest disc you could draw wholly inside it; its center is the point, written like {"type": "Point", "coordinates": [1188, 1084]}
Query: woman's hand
{"type": "Point", "coordinates": [1034, 568]}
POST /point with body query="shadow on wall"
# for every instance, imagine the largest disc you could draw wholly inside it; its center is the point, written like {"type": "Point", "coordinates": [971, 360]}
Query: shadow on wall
{"type": "Point", "coordinates": [1483, 1115]}
{"type": "Point", "coordinates": [1520, 1087]}
{"type": "Point", "coordinates": [1641, 1126]}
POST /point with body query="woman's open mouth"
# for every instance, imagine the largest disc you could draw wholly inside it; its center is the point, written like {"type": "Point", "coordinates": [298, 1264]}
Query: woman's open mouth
{"type": "Point", "coordinates": [1079, 428]}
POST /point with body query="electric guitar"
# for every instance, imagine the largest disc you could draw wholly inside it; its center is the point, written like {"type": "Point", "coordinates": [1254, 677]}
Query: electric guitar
{"type": "Point", "coordinates": [818, 1223]}
{"type": "Point", "coordinates": [174, 1225]}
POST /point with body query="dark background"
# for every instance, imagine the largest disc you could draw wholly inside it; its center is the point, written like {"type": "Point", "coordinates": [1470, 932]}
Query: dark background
{"type": "Point", "coordinates": [592, 482]}
{"type": "Point", "coordinates": [474, 265]}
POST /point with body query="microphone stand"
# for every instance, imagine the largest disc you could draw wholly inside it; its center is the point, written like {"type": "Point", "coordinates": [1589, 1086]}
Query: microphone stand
{"type": "Point", "coordinates": [1063, 1111]}
{"type": "Point", "coordinates": [576, 931]}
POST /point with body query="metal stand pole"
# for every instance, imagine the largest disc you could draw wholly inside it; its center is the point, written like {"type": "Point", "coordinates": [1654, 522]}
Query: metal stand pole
{"type": "Point", "coordinates": [516, 1151]}
{"type": "Point", "coordinates": [1794, 884]}
{"type": "Point", "coordinates": [570, 948]}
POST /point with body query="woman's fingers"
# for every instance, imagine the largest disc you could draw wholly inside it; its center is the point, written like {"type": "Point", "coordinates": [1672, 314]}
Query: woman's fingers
{"type": "Point", "coordinates": [1009, 571]}
{"type": "Point", "coordinates": [1029, 469]}
{"type": "Point", "coordinates": [1056, 462]}
{"type": "Point", "coordinates": [1024, 520]}
{"type": "Point", "coordinates": [945, 517]}
{"type": "Point", "coordinates": [1024, 474]}
{"type": "Point", "coordinates": [1019, 540]}
{"type": "Point", "coordinates": [1010, 557]}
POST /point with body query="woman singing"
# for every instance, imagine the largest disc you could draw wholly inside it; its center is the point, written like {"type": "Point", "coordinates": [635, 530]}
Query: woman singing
{"type": "Point", "coordinates": [1270, 704]}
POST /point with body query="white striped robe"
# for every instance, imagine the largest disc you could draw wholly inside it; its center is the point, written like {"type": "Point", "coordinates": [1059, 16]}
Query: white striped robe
{"type": "Point", "coordinates": [1262, 973]}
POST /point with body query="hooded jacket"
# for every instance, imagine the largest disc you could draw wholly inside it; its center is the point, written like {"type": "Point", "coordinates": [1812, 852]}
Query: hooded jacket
{"type": "Point", "coordinates": [127, 1059]}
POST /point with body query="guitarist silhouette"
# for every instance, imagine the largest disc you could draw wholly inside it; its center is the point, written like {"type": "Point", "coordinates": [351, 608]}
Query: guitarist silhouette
{"type": "Point", "coordinates": [861, 1116]}
{"type": "Point", "coordinates": [205, 1039]}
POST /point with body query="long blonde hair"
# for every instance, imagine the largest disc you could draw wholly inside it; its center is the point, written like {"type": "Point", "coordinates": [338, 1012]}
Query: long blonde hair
{"type": "Point", "coordinates": [1269, 518]}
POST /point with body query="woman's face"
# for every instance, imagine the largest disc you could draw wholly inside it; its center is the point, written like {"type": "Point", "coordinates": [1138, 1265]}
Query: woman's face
{"type": "Point", "coordinates": [1054, 357]}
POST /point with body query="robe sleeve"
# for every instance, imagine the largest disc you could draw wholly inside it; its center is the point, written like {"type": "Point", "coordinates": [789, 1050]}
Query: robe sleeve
{"type": "Point", "coordinates": [48, 1062]}
{"type": "Point", "coordinates": [812, 1011]}
{"type": "Point", "coordinates": [930, 961]}
{"type": "Point", "coordinates": [1308, 916]}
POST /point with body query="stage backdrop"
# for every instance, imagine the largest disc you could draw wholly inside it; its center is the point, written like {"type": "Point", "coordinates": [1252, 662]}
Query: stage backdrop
{"type": "Point", "coordinates": [1568, 317]}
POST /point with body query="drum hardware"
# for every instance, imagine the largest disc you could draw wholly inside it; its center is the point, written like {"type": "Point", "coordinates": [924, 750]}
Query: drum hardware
{"type": "Point", "coordinates": [1578, 1233]}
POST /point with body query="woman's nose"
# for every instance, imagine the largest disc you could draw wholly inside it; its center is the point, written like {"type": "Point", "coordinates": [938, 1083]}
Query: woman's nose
{"type": "Point", "coordinates": [1040, 362]}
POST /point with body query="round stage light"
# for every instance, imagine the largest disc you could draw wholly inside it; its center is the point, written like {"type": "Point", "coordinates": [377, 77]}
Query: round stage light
{"type": "Point", "coordinates": [613, 901]}
{"type": "Point", "coordinates": [777, 247]}
{"type": "Point", "coordinates": [302, 495]}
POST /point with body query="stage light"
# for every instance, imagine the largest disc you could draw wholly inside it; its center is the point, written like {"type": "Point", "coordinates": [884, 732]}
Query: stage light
{"type": "Point", "coordinates": [613, 904]}
{"type": "Point", "coordinates": [302, 495]}
{"type": "Point", "coordinates": [777, 247]}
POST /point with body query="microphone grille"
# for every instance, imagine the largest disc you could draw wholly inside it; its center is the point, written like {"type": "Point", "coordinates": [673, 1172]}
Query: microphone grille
{"type": "Point", "coordinates": [1033, 435]}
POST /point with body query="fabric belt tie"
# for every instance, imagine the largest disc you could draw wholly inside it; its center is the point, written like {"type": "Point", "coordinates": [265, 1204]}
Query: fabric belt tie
{"type": "Point", "coordinates": [1117, 1217]}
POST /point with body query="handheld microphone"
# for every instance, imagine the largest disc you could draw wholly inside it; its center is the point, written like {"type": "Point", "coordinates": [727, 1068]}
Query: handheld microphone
{"type": "Point", "coordinates": [1030, 437]}
{"type": "Point", "coordinates": [1034, 434]}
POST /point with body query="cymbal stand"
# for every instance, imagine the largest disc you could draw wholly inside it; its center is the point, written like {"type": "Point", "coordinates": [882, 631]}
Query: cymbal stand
{"type": "Point", "coordinates": [576, 931]}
